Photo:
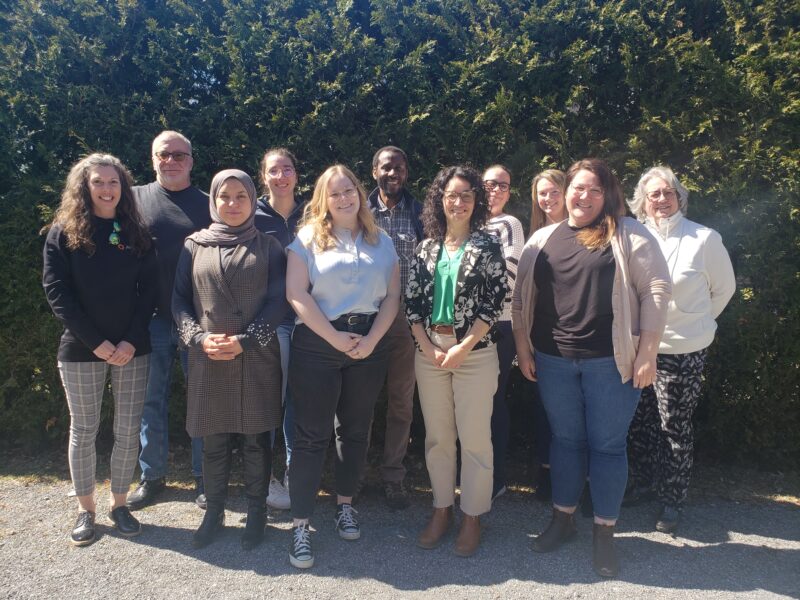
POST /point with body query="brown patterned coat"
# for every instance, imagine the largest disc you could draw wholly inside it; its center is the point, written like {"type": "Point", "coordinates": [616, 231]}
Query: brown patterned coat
{"type": "Point", "coordinates": [247, 299]}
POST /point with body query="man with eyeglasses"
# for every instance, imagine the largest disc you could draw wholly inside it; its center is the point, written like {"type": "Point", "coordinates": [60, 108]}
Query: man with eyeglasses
{"type": "Point", "coordinates": [172, 208]}
{"type": "Point", "coordinates": [398, 214]}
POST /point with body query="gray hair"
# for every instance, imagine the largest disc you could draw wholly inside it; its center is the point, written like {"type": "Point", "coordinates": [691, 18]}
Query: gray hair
{"type": "Point", "coordinates": [166, 135]}
{"type": "Point", "coordinates": [637, 203]}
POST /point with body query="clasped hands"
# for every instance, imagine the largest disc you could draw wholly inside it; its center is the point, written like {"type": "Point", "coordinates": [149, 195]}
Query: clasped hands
{"type": "Point", "coordinates": [220, 346]}
{"type": "Point", "coordinates": [451, 358]}
{"type": "Point", "coordinates": [354, 345]}
{"type": "Point", "coordinates": [118, 355]}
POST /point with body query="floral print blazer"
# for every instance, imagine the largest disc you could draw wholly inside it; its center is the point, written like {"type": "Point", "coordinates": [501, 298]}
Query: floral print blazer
{"type": "Point", "coordinates": [481, 285]}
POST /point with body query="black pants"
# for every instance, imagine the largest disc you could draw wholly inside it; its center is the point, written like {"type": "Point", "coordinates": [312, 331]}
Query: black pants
{"type": "Point", "coordinates": [330, 390]}
{"type": "Point", "coordinates": [257, 457]}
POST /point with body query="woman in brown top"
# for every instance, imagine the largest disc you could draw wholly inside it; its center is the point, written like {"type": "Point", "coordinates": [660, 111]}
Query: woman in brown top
{"type": "Point", "coordinates": [229, 298]}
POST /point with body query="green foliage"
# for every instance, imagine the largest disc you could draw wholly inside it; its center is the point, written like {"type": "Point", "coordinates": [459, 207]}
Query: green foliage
{"type": "Point", "coordinates": [711, 88]}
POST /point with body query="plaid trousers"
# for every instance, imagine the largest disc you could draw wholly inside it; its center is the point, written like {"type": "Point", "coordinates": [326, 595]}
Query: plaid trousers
{"type": "Point", "coordinates": [84, 383]}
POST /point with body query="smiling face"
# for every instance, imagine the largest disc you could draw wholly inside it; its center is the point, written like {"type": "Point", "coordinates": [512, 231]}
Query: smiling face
{"type": "Point", "coordinates": [551, 200]}
{"type": "Point", "coordinates": [494, 179]}
{"type": "Point", "coordinates": [343, 201]}
{"type": "Point", "coordinates": [172, 174]}
{"type": "Point", "coordinates": [661, 200]}
{"type": "Point", "coordinates": [105, 190]}
{"type": "Point", "coordinates": [233, 203]}
{"type": "Point", "coordinates": [391, 174]}
{"type": "Point", "coordinates": [585, 199]}
{"type": "Point", "coordinates": [458, 201]}
{"type": "Point", "coordinates": [280, 176]}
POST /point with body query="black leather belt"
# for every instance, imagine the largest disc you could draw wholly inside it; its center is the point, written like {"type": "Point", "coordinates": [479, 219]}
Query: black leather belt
{"type": "Point", "coordinates": [351, 319]}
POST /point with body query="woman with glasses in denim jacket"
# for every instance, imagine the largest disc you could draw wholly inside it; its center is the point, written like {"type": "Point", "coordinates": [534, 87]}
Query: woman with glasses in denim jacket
{"type": "Point", "coordinates": [456, 288]}
{"type": "Point", "coordinates": [343, 281]}
{"type": "Point", "coordinates": [591, 298]}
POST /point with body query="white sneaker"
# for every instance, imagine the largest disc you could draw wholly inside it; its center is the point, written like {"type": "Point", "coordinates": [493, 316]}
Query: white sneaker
{"type": "Point", "coordinates": [278, 496]}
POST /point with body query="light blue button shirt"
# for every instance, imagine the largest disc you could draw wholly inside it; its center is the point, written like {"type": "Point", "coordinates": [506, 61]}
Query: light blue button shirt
{"type": "Point", "coordinates": [352, 277]}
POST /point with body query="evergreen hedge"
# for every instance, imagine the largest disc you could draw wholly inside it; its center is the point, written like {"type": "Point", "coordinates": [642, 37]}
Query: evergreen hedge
{"type": "Point", "coordinates": [710, 87]}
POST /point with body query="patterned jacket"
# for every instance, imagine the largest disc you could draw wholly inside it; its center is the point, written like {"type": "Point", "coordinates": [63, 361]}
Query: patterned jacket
{"type": "Point", "coordinates": [481, 285]}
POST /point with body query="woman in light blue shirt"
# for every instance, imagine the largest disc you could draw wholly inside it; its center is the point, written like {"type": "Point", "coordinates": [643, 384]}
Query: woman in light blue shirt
{"type": "Point", "coordinates": [343, 281]}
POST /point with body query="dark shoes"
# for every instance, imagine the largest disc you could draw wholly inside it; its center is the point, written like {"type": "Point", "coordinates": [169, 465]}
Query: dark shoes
{"type": "Point", "coordinates": [561, 529]}
{"type": "Point", "coordinates": [434, 531]}
{"type": "Point", "coordinates": [125, 522]}
{"type": "Point", "coordinates": [254, 527]}
{"type": "Point", "coordinates": [396, 495]}
{"type": "Point", "coordinates": [213, 521]}
{"type": "Point", "coordinates": [146, 493]}
{"type": "Point", "coordinates": [604, 555]}
{"type": "Point", "coordinates": [668, 519]}
{"type": "Point", "coordinates": [300, 552]}
{"type": "Point", "coordinates": [83, 532]}
{"type": "Point", "coordinates": [469, 536]}
{"type": "Point", "coordinates": [200, 493]}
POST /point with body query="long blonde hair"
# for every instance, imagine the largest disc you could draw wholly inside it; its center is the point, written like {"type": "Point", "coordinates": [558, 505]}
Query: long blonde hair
{"type": "Point", "coordinates": [316, 213]}
{"type": "Point", "coordinates": [599, 234]}
{"type": "Point", "coordinates": [558, 179]}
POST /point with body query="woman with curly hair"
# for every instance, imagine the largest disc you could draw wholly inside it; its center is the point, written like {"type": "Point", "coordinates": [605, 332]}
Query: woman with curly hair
{"type": "Point", "coordinates": [100, 278]}
{"type": "Point", "coordinates": [591, 299]}
{"type": "Point", "coordinates": [456, 288]}
{"type": "Point", "coordinates": [343, 281]}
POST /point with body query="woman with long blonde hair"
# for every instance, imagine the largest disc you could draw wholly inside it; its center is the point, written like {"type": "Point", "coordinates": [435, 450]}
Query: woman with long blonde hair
{"type": "Point", "coordinates": [547, 199]}
{"type": "Point", "coordinates": [343, 281]}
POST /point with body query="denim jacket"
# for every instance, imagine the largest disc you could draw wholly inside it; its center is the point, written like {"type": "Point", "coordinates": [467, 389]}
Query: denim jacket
{"type": "Point", "coordinates": [481, 285]}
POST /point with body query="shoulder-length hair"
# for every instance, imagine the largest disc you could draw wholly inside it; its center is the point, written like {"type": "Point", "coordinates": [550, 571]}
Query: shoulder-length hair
{"type": "Point", "coordinates": [262, 171]}
{"type": "Point", "coordinates": [316, 212]}
{"type": "Point", "coordinates": [74, 214]}
{"type": "Point", "coordinates": [433, 220]}
{"type": "Point", "coordinates": [637, 203]}
{"type": "Point", "coordinates": [598, 234]}
{"type": "Point", "coordinates": [558, 179]}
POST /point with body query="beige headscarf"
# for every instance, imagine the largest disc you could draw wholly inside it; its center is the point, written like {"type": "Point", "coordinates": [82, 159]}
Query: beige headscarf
{"type": "Point", "coordinates": [219, 233]}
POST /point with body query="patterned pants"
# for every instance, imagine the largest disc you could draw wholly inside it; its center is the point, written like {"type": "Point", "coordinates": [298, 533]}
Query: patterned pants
{"type": "Point", "coordinates": [661, 437]}
{"type": "Point", "coordinates": [84, 383]}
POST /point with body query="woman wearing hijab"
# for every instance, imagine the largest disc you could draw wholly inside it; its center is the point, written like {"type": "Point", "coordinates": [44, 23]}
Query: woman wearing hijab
{"type": "Point", "coordinates": [228, 301]}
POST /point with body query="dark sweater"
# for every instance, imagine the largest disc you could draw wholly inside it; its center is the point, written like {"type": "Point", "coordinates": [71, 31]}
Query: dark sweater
{"type": "Point", "coordinates": [107, 296]}
{"type": "Point", "coordinates": [170, 217]}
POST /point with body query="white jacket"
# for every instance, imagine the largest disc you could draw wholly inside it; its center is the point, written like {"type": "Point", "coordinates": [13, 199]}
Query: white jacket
{"type": "Point", "coordinates": [702, 282]}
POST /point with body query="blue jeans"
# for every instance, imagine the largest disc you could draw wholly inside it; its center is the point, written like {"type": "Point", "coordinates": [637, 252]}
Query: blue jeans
{"type": "Point", "coordinates": [154, 435]}
{"type": "Point", "coordinates": [285, 339]}
{"type": "Point", "coordinates": [590, 410]}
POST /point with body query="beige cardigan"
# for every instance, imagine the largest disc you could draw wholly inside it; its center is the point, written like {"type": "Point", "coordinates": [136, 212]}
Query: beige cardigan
{"type": "Point", "coordinates": [641, 290]}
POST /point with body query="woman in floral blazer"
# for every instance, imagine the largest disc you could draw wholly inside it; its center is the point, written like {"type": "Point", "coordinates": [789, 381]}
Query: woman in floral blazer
{"type": "Point", "coordinates": [455, 294]}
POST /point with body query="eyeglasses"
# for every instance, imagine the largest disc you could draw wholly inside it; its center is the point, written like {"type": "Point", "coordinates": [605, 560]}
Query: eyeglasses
{"type": "Point", "coordinates": [667, 193]}
{"type": "Point", "coordinates": [591, 192]}
{"type": "Point", "coordinates": [349, 193]}
{"type": "Point", "coordinates": [466, 196]}
{"type": "Point", "coordinates": [491, 185]}
{"type": "Point", "coordinates": [164, 156]}
{"type": "Point", "coordinates": [278, 171]}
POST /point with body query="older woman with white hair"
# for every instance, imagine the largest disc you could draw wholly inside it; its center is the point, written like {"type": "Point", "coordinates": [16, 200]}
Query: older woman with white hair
{"type": "Point", "coordinates": [661, 437]}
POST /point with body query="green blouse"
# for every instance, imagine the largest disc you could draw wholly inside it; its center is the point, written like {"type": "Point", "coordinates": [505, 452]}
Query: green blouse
{"type": "Point", "coordinates": [444, 285]}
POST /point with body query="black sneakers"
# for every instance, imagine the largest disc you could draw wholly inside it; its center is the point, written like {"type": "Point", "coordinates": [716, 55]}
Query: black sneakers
{"type": "Point", "coordinates": [346, 524]}
{"type": "Point", "coordinates": [300, 554]}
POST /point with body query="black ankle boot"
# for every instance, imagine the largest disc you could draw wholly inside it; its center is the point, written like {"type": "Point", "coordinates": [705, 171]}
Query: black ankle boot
{"type": "Point", "coordinates": [254, 528]}
{"type": "Point", "coordinates": [213, 521]}
{"type": "Point", "coordinates": [561, 529]}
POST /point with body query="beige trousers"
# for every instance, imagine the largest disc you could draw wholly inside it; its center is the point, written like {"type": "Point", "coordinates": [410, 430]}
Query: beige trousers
{"type": "Point", "coordinates": [457, 404]}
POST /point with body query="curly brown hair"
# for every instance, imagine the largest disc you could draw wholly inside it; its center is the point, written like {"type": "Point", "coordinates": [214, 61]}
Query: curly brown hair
{"type": "Point", "coordinates": [74, 214]}
{"type": "Point", "coordinates": [433, 220]}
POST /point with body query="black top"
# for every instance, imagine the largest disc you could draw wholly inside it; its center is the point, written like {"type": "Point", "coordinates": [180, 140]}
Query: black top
{"type": "Point", "coordinates": [170, 217]}
{"type": "Point", "coordinates": [573, 314]}
{"type": "Point", "coordinates": [106, 296]}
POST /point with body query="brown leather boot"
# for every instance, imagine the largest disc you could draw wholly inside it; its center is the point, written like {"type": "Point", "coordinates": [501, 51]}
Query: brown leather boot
{"type": "Point", "coordinates": [437, 526]}
{"type": "Point", "coordinates": [561, 529]}
{"type": "Point", "coordinates": [469, 536]}
{"type": "Point", "coordinates": [604, 555]}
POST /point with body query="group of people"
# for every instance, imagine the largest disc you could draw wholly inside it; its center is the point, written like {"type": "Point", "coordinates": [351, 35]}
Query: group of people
{"type": "Point", "coordinates": [295, 314]}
